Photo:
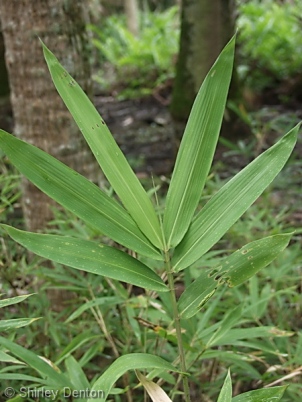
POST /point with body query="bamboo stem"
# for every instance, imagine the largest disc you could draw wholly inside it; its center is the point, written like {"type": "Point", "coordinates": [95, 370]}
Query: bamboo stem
{"type": "Point", "coordinates": [177, 327]}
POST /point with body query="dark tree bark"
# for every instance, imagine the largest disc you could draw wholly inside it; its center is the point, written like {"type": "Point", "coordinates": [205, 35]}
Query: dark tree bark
{"type": "Point", "coordinates": [5, 105]}
{"type": "Point", "coordinates": [206, 27]}
{"type": "Point", "coordinates": [40, 116]}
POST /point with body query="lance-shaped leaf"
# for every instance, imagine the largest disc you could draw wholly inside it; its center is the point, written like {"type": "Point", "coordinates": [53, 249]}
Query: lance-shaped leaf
{"type": "Point", "coordinates": [231, 201]}
{"type": "Point", "coordinates": [90, 257]}
{"type": "Point", "coordinates": [76, 193]}
{"type": "Point", "coordinates": [247, 261]}
{"type": "Point", "coordinates": [13, 300]}
{"type": "Point", "coordinates": [272, 394]}
{"type": "Point", "coordinates": [225, 394]}
{"type": "Point", "coordinates": [108, 154]}
{"type": "Point", "coordinates": [6, 325]}
{"type": "Point", "coordinates": [233, 270]}
{"type": "Point", "coordinates": [134, 361]}
{"type": "Point", "coordinates": [197, 148]}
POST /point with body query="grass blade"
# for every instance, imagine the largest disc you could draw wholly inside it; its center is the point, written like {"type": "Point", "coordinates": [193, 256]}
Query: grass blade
{"type": "Point", "coordinates": [197, 148]}
{"type": "Point", "coordinates": [7, 325]}
{"type": "Point", "coordinates": [76, 193]}
{"type": "Point", "coordinates": [14, 300]}
{"type": "Point", "coordinates": [108, 154]}
{"type": "Point", "coordinates": [37, 363]}
{"type": "Point", "coordinates": [226, 206]}
{"type": "Point", "coordinates": [90, 257]}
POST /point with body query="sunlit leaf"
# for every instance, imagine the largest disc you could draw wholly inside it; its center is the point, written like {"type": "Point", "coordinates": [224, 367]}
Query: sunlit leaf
{"type": "Point", "coordinates": [226, 206]}
{"type": "Point", "coordinates": [106, 151]}
{"type": "Point", "coordinates": [76, 193]}
{"type": "Point", "coordinates": [89, 256]}
{"type": "Point", "coordinates": [134, 361]}
{"type": "Point", "coordinates": [197, 148]}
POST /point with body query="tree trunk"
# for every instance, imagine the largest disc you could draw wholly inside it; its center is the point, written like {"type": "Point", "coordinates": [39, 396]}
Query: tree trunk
{"type": "Point", "coordinates": [131, 11]}
{"type": "Point", "coordinates": [206, 27]}
{"type": "Point", "coordinates": [40, 116]}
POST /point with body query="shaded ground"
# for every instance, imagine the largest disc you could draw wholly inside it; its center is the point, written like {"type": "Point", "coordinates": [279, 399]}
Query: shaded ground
{"type": "Point", "coordinates": [144, 131]}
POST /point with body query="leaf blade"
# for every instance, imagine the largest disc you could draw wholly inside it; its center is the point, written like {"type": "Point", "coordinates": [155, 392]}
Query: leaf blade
{"type": "Point", "coordinates": [231, 201]}
{"type": "Point", "coordinates": [90, 257]}
{"type": "Point", "coordinates": [197, 147]}
{"type": "Point", "coordinates": [197, 294]}
{"type": "Point", "coordinates": [106, 151]}
{"type": "Point", "coordinates": [76, 193]}
{"type": "Point", "coordinates": [225, 394]}
{"type": "Point", "coordinates": [273, 394]}
{"type": "Point", "coordinates": [134, 361]}
{"type": "Point", "coordinates": [233, 270]}
{"type": "Point", "coordinates": [247, 261]}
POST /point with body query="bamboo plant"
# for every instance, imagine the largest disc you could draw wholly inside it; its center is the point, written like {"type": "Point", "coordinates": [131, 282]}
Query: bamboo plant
{"type": "Point", "coordinates": [177, 239]}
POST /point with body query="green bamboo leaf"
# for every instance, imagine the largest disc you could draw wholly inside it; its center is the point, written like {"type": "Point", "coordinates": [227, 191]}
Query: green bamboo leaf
{"type": "Point", "coordinates": [6, 325]}
{"type": "Point", "coordinates": [77, 194]}
{"type": "Point", "coordinates": [197, 294]}
{"type": "Point", "coordinates": [247, 261]}
{"type": "Point", "coordinates": [234, 270]}
{"type": "Point", "coordinates": [225, 394]}
{"type": "Point", "coordinates": [13, 300]}
{"type": "Point", "coordinates": [226, 206]}
{"type": "Point", "coordinates": [120, 366]}
{"type": "Point", "coordinates": [273, 394]}
{"type": "Point", "coordinates": [37, 363]}
{"type": "Point", "coordinates": [108, 154]}
{"type": "Point", "coordinates": [90, 257]}
{"type": "Point", "coordinates": [197, 147]}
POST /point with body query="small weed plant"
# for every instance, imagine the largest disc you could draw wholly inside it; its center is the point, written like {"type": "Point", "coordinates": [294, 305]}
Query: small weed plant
{"type": "Point", "coordinates": [163, 246]}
